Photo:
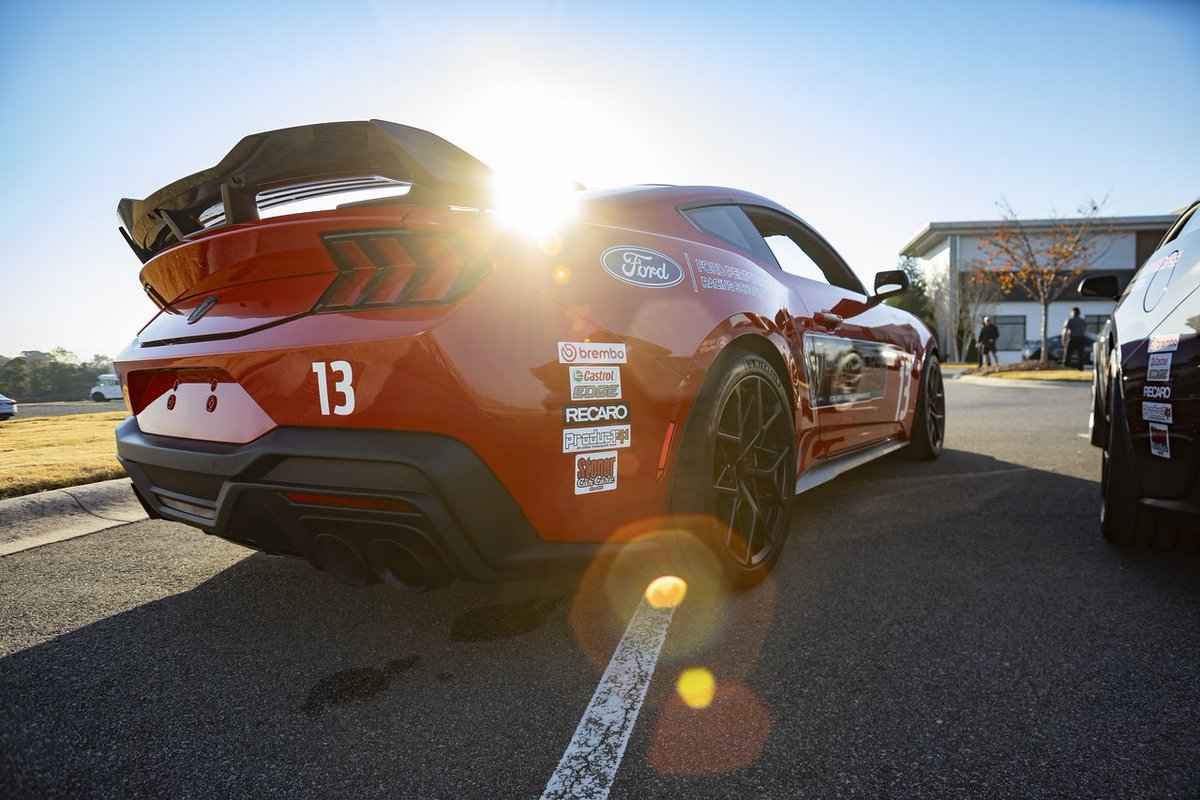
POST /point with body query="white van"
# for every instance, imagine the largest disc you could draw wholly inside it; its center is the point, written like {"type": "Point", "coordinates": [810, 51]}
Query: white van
{"type": "Point", "coordinates": [107, 388]}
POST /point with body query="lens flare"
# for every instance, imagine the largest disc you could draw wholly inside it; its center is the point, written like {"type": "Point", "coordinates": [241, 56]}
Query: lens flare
{"type": "Point", "coordinates": [561, 276]}
{"type": "Point", "coordinates": [696, 687]}
{"type": "Point", "coordinates": [666, 591]}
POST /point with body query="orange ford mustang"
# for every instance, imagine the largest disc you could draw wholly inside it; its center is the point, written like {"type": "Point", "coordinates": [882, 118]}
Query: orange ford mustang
{"type": "Point", "coordinates": [406, 387]}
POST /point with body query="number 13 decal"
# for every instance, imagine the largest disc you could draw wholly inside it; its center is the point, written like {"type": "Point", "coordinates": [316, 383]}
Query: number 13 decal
{"type": "Point", "coordinates": [343, 385]}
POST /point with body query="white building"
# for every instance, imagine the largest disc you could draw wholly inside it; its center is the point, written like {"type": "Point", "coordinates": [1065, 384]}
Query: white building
{"type": "Point", "coordinates": [948, 250]}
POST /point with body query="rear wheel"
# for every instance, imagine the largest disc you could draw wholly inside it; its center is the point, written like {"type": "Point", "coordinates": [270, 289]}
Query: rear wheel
{"type": "Point", "coordinates": [737, 465]}
{"type": "Point", "coordinates": [98, 398]}
{"type": "Point", "coordinates": [1122, 520]}
{"type": "Point", "coordinates": [929, 426]}
{"type": "Point", "coordinates": [1118, 504]}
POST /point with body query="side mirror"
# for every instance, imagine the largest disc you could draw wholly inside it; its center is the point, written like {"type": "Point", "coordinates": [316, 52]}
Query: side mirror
{"type": "Point", "coordinates": [1105, 286]}
{"type": "Point", "coordinates": [890, 283]}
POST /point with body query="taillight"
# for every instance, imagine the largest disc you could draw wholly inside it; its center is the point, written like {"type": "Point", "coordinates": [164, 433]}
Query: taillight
{"type": "Point", "coordinates": [399, 268]}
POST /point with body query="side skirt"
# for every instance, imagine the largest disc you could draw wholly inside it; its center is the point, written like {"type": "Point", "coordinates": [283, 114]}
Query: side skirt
{"type": "Point", "coordinates": [824, 471]}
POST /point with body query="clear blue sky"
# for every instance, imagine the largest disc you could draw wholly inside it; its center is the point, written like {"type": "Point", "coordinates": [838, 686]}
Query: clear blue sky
{"type": "Point", "coordinates": [867, 119]}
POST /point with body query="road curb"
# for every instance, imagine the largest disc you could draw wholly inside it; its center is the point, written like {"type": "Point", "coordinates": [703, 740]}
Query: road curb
{"type": "Point", "coordinates": [60, 514]}
{"type": "Point", "coordinates": [1019, 382]}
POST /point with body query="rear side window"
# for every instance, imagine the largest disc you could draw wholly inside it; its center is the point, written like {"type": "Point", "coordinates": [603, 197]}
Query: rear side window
{"type": "Point", "coordinates": [730, 225]}
{"type": "Point", "coordinates": [1192, 224]}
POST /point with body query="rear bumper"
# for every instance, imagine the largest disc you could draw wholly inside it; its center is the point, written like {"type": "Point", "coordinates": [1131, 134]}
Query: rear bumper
{"type": "Point", "coordinates": [433, 487]}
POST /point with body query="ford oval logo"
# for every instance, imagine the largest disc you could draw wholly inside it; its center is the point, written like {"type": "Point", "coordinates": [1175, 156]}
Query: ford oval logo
{"type": "Point", "coordinates": [641, 267]}
{"type": "Point", "coordinates": [202, 309]}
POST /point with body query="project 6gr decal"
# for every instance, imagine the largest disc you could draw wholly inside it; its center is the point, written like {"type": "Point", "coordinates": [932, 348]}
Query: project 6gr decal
{"type": "Point", "coordinates": [848, 370]}
{"type": "Point", "coordinates": [641, 267]}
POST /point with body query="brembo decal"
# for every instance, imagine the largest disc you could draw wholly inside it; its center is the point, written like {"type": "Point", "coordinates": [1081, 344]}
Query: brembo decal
{"type": "Point", "coordinates": [596, 472]}
{"type": "Point", "coordinates": [1164, 344]}
{"type": "Point", "coordinates": [641, 267]}
{"type": "Point", "coordinates": [595, 383]}
{"type": "Point", "coordinates": [591, 353]}
{"type": "Point", "coordinates": [1160, 440]}
{"type": "Point", "coordinates": [584, 414]}
{"type": "Point", "coordinates": [1159, 368]}
{"type": "Point", "coordinates": [848, 370]}
{"type": "Point", "coordinates": [1157, 412]}
{"type": "Point", "coordinates": [578, 440]}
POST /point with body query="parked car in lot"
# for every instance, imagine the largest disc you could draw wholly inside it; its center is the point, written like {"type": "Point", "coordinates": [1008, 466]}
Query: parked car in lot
{"type": "Point", "coordinates": [1032, 349]}
{"type": "Point", "coordinates": [411, 387]}
{"type": "Point", "coordinates": [108, 387]}
{"type": "Point", "coordinates": [8, 407]}
{"type": "Point", "coordinates": [1146, 396]}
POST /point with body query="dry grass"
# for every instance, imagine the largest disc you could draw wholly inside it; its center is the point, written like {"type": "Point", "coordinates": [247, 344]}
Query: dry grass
{"type": "Point", "coordinates": [40, 453]}
{"type": "Point", "coordinates": [1033, 371]}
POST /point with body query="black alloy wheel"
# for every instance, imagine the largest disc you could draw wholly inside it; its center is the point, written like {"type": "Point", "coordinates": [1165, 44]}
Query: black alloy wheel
{"type": "Point", "coordinates": [929, 427]}
{"type": "Point", "coordinates": [738, 465]}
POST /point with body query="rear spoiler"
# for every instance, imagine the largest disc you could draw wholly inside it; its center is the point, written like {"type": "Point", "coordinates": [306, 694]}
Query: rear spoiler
{"type": "Point", "coordinates": [301, 162]}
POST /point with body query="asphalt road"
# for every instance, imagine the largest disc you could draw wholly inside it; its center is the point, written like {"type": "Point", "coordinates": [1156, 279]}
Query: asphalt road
{"type": "Point", "coordinates": [947, 629]}
{"type": "Point", "coordinates": [60, 409]}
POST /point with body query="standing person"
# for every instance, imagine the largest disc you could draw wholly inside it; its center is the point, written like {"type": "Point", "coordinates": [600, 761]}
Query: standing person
{"type": "Point", "coordinates": [988, 334]}
{"type": "Point", "coordinates": [1073, 338]}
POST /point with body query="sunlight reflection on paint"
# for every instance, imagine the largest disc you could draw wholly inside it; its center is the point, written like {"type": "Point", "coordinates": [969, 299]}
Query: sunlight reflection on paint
{"type": "Point", "coordinates": [535, 206]}
{"type": "Point", "coordinates": [666, 591]}
{"type": "Point", "coordinates": [696, 687]}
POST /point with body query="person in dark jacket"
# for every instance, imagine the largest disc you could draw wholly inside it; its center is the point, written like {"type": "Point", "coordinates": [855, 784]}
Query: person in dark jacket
{"type": "Point", "coordinates": [988, 334]}
{"type": "Point", "coordinates": [1073, 338]}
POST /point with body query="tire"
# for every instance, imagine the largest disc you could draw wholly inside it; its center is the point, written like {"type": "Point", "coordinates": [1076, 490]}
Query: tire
{"type": "Point", "coordinates": [1118, 503]}
{"type": "Point", "coordinates": [737, 466]}
{"type": "Point", "coordinates": [1122, 520]}
{"type": "Point", "coordinates": [99, 398]}
{"type": "Point", "coordinates": [929, 426]}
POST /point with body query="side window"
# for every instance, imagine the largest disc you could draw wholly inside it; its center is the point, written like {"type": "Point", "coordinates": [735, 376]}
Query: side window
{"type": "Point", "coordinates": [802, 251]}
{"type": "Point", "coordinates": [792, 259]}
{"type": "Point", "coordinates": [1192, 224]}
{"type": "Point", "coordinates": [730, 225]}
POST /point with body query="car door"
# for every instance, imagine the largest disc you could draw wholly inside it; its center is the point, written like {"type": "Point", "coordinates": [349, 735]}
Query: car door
{"type": "Point", "coordinates": [859, 355]}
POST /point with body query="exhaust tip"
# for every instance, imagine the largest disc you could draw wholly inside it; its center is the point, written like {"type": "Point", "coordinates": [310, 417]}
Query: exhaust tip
{"type": "Point", "coordinates": [412, 567]}
{"type": "Point", "coordinates": [341, 560]}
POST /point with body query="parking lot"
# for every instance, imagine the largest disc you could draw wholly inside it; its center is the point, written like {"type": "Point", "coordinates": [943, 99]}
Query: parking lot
{"type": "Point", "coordinates": [947, 628]}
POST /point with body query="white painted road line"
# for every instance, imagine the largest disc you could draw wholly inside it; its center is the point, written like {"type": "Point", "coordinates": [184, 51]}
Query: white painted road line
{"type": "Point", "coordinates": [590, 763]}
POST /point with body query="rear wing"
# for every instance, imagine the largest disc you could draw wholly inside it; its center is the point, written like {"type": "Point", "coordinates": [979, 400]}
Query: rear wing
{"type": "Point", "coordinates": [267, 169]}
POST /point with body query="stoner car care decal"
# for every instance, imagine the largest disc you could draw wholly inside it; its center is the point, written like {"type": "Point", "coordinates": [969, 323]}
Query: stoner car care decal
{"type": "Point", "coordinates": [1159, 368]}
{"type": "Point", "coordinates": [596, 412]}
{"type": "Point", "coordinates": [847, 370]}
{"type": "Point", "coordinates": [1164, 344]}
{"type": "Point", "coordinates": [591, 353]}
{"type": "Point", "coordinates": [1157, 412]}
{"type": "Point", "coordinates": [641, 267]}
{"type": "Point", "coordinates": [578, 440]}
{"type": "Point", "coordinates": [596, 472]}
{"type": "Point", "coordinates": [1160, 440]}
{"type": "Point", "coordinates": [596, 383]}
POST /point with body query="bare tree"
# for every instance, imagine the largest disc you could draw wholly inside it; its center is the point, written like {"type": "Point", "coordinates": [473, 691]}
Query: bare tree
{"type": "Point", "coordinates": [978, 293]}
{"type": "Point", "coordinates": [1041, 263]}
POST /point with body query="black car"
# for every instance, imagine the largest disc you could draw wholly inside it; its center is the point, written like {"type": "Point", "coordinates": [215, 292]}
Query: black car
{"type": "Point", "coordinates": [1146, 396]}
{"type": "Point", "coordinates": [1032, 351]}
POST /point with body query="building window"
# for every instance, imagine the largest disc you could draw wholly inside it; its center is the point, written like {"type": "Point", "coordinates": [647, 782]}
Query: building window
{"type": "Point", "coordinates": [1095, 323]}
{"type": "Point", "coordinates": [1012, 332]}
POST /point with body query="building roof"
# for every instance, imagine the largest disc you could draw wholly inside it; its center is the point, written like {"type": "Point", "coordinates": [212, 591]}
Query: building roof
{"type": "Point", "coordinates": [931, 236]}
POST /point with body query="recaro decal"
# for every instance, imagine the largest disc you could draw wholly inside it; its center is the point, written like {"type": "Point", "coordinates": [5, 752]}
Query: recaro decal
{"type": "Point", "coordinates": [640, 266]}
{"type": "Point", "coordinates": [596, 412]}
